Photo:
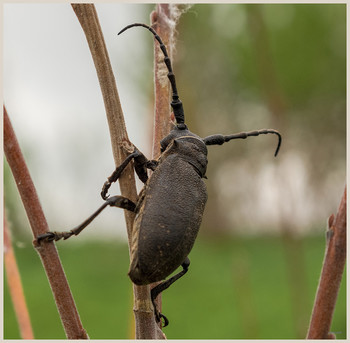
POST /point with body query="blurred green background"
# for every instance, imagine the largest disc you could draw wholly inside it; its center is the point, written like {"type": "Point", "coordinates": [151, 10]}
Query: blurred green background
{"type": "Point", "coordinates": [256, 264]}
{"type": "Point", "coordinates": [236, 288]}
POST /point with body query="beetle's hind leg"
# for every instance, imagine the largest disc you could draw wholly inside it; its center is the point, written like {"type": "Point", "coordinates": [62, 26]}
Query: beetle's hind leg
{"type": "Point", "coordinates": [163, 286]}
{"type": "Point", "coordinates": [117, 201]}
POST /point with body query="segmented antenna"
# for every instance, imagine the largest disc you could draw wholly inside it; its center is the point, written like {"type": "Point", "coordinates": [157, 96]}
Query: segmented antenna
{"type": "Point", "coordinates": [176, 103]}
{"type": "Point", "coordinates": [221, 139]}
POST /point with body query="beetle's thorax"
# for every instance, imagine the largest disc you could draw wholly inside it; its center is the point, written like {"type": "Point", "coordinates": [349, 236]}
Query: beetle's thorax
{"type": "Point", "coordinates": [188, 146]}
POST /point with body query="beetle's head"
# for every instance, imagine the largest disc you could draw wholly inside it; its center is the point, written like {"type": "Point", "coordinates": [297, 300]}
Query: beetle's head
{"type": "Point", "coordinates": [175, 133]}
{"type": "Point", "coordinates": [187, 146]}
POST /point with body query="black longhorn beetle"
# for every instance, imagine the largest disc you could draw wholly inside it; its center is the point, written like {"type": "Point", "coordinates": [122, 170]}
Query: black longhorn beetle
{"type": "Point", "coordinates": [171, 204]}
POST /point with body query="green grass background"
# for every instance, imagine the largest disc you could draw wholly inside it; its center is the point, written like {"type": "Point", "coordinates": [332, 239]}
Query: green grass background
{"type": "Point", "coordinates": [236, 288]}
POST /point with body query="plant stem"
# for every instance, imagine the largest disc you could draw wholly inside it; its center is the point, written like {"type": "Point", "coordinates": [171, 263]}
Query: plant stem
{"type": "Point", "coordinates": [331, 275]}
{"type": "Point", "coordinates": [162, 124]}
{"type": "Point", "coordinates": [145, 323]}
{"type": "Point", "coordinates": [47, 252]}
{"type": "Point", "coordinates": [15, 286]}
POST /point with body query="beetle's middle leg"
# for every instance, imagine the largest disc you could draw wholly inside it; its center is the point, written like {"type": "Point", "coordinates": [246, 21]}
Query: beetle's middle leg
{"type": "Point", "coordinates": [164, 285]}
{"type": "Point", "coordinates": [117, 201]}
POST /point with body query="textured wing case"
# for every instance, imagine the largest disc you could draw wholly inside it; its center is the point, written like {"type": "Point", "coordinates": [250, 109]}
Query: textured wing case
{"type": "Point", "coordinates": [168, 221]}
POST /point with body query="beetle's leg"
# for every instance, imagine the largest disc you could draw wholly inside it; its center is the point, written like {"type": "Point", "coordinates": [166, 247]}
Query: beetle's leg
{"type": "Point", "coordinates": [163, 286]}
{"type": "Point", "coordinates": [117, 201]}
{"type": "Point", "coordinates": [116, 174]}
{"type": "Point", "coordinates": [141, 164]}
{"type": "Point", "coordinates": [221, 139]}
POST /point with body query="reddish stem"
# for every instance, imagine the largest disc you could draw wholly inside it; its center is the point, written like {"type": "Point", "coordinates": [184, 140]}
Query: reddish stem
{"type": "Point", "coordinates": [47, 252]}
{"type": "Point", "coordinates": [332, 271]}
{"type": "Point", "coordinates": [162, 123]}
{"type": "Point", "coordinates": [15, 286]}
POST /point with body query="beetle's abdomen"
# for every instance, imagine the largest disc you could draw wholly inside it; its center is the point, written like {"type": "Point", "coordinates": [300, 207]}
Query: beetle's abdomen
{"type": "Point", "coordinates": [168, 221]}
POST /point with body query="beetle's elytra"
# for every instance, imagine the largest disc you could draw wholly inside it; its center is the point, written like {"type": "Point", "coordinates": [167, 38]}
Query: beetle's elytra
{"type": "Point", "coordinates": [170, 206]}
{"type": "Point", "coordinates": [170, 211]}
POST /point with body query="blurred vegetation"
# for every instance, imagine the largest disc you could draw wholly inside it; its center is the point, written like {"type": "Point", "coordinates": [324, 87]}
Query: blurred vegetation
{"type": "Point", "coordinates": [245, 67]}
{"type": "Point", "coordinates": [238, 68]}
{"type": "Point", "coordinates": [235, 288]}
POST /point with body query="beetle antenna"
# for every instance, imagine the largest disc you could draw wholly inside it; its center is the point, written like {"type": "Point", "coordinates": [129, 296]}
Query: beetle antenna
{"type": "Point", "coordinates": [176, 103]}
{"type": "Point", "coordinates": [221, 139]}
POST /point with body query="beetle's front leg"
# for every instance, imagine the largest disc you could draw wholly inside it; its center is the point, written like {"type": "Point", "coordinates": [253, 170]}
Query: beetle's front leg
{"type": "Point", "coordinates": [141, 164]}
{"type": "Point", "coordinates": [117, 201]}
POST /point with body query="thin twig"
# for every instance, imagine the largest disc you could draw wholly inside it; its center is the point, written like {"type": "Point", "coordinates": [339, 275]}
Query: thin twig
{"type": "Point", "coordinates": [47, 252]}
{"type": "Point", "coordinates": [15, 286]}
{"type": "Point", "coordinates": [145, 323]}
{"type": "Point", "coordinates": [332, 271]}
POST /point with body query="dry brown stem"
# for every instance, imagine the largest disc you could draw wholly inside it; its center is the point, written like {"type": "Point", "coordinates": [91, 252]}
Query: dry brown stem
{"type": "Point", "coordinates": [162, 124]}
{"type": "Point", "coordinates": [331, 275]}
{"type": "Point", "coordinates": [15, 286]}
{"type": "Point", "coordinates": [47, 252]}
{"type": "Point", "coordinates": [145, 323]}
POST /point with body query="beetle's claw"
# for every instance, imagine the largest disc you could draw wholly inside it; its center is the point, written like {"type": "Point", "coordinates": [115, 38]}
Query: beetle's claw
{"type": "Point", "coordinates": [165, 320]}
{"type": "Point", "coordinates": [160, 316]}
{"type": "Point", "coordinates": [104, 191]}
{"type": "Point", "coordinates": [48, 236]}
{"type": "Point", "coordinates": [104, 194]}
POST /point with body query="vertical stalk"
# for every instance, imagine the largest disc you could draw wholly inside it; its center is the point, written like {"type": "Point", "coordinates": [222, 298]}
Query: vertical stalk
{"type": "Point", "coordinates": [47, 252]}
{"type": "Point", "coordinates": [15, 286]}
{"type": "Point", "coordinates": [160, 22]}
{"type": "Point", "coordinates": [145, 323]}
{"type": "Point", "coordinates": [331, 275]}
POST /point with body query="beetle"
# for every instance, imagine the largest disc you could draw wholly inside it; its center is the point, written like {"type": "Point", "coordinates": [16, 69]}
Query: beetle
{"type": "Point", "coordinates": [170, 206]}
